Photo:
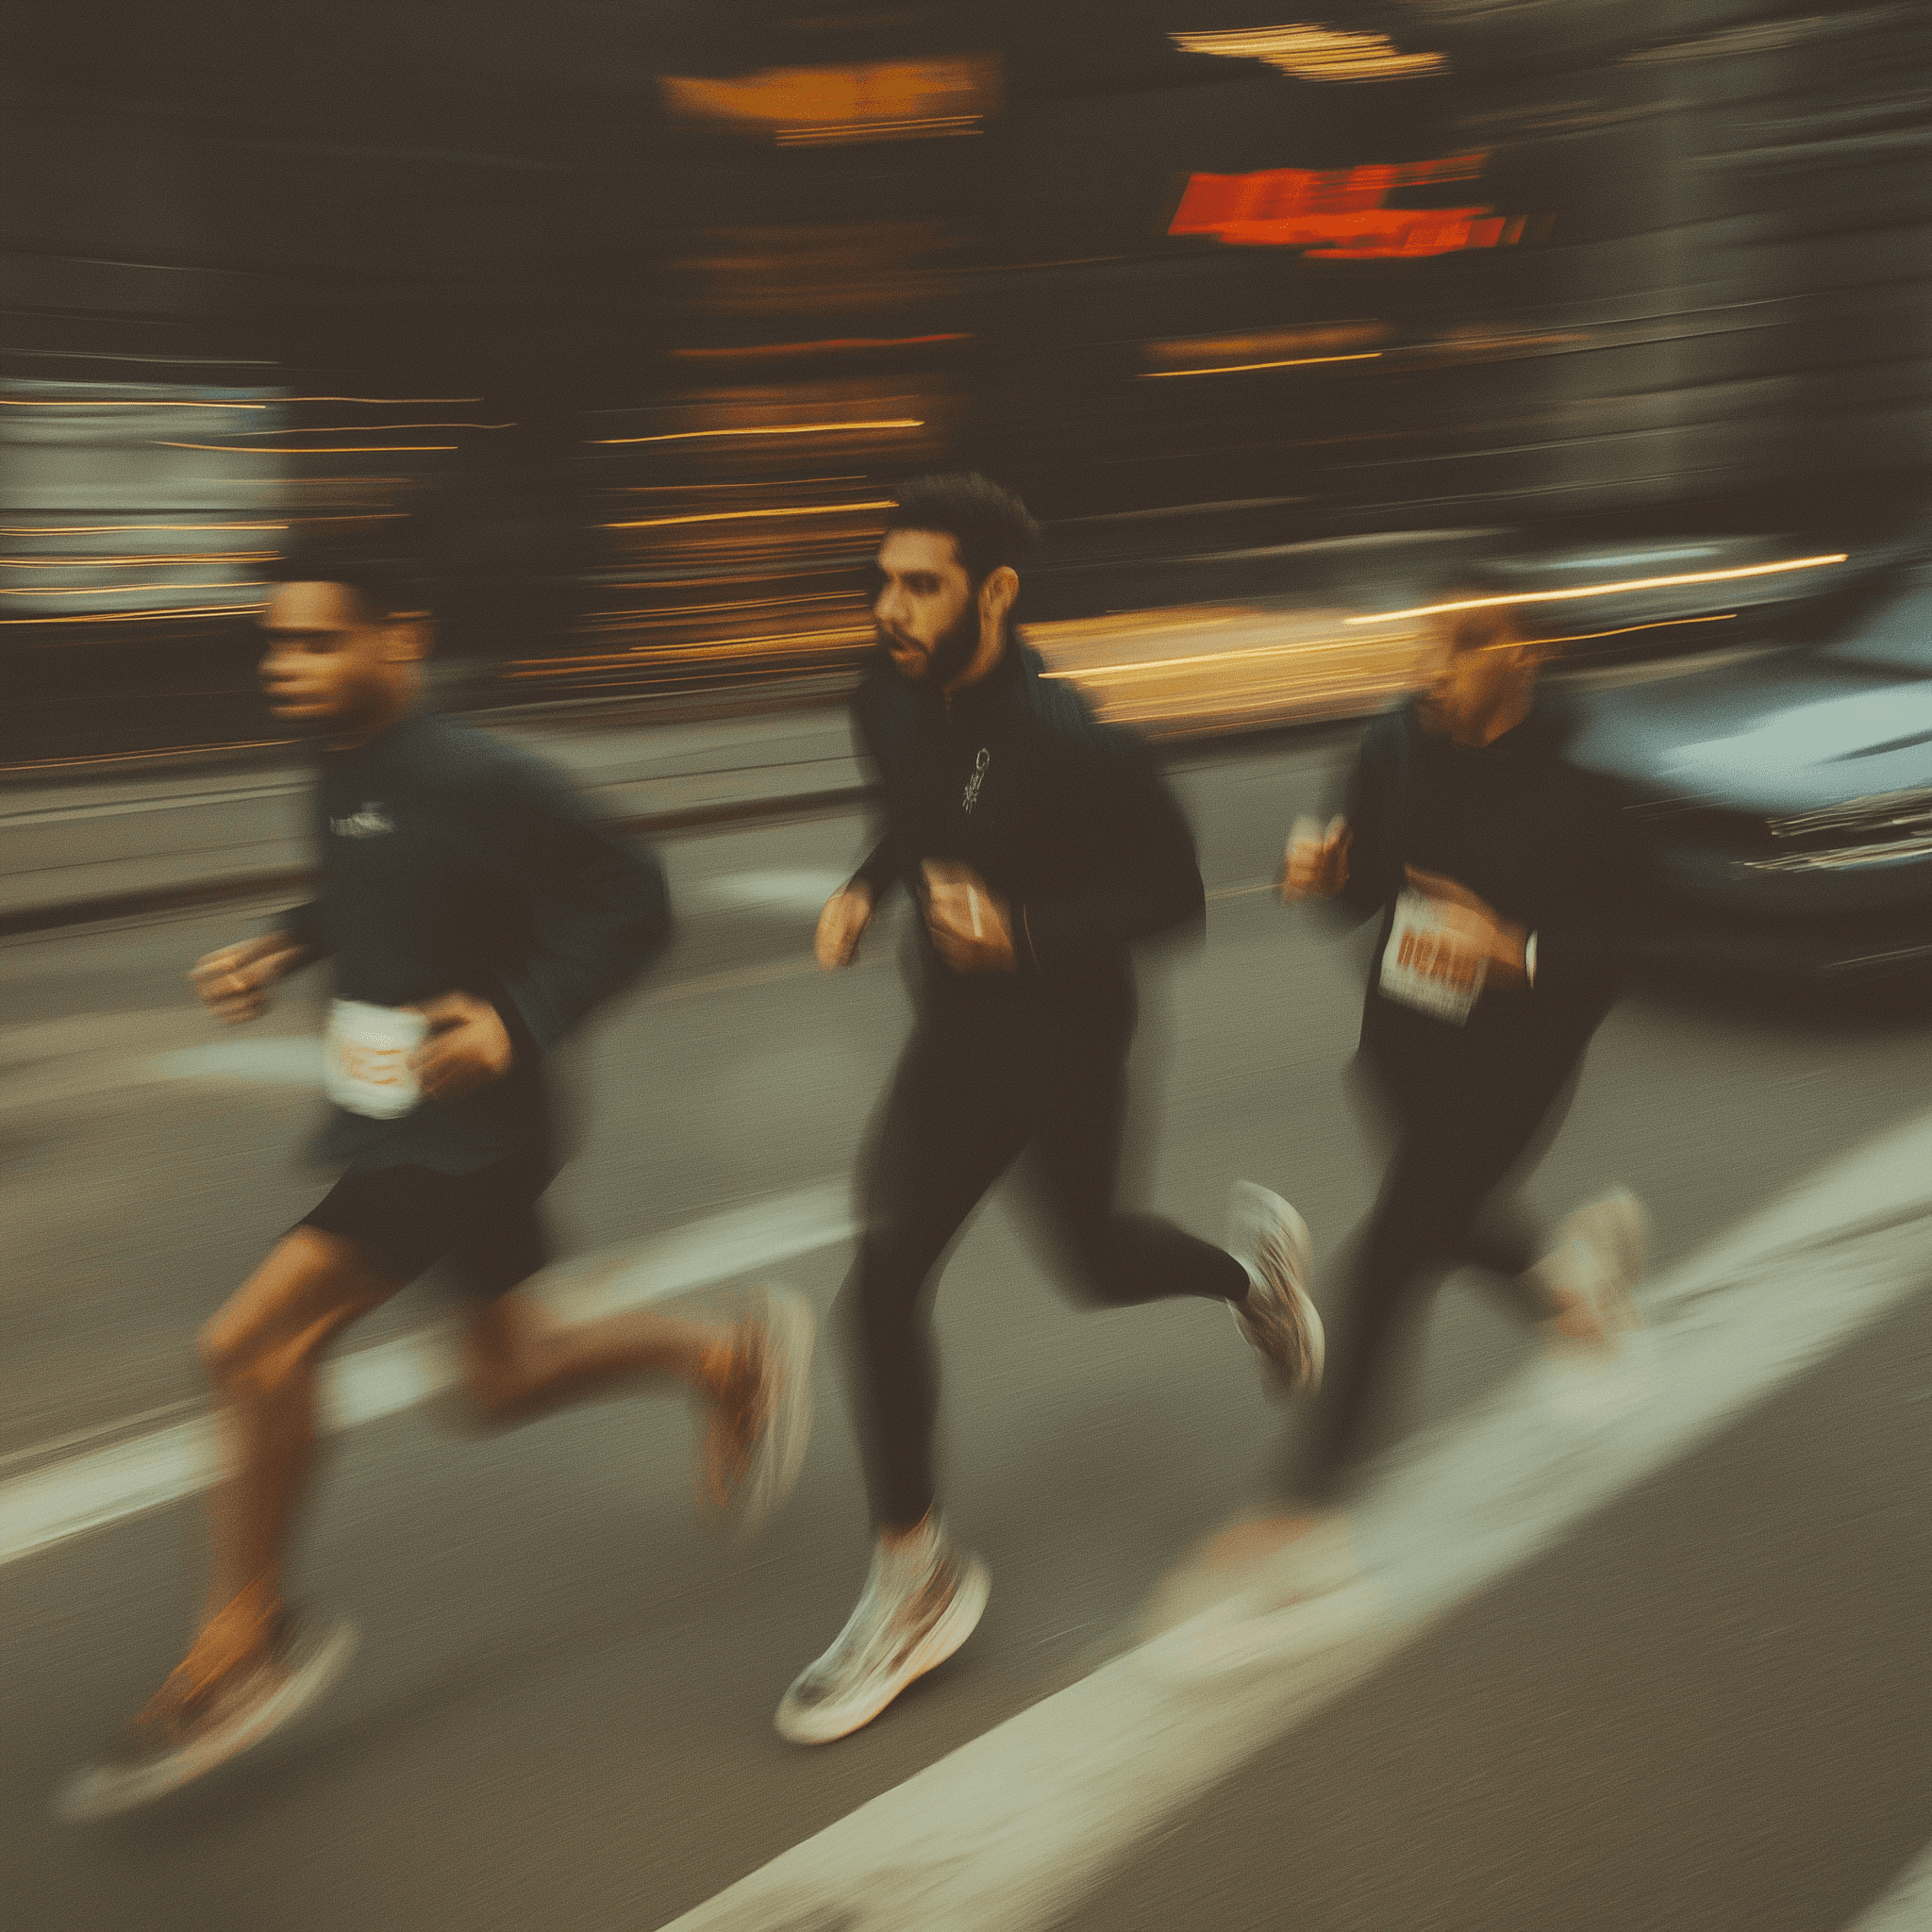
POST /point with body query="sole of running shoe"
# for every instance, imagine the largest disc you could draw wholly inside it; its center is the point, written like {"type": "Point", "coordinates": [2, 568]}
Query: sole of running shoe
{"type": "Point", "coordinates": [1627, 1230]}
{"type": "Point", "coordinates": [1252, 1211]}
{"type": "Point", "coordinates": [780, 1451]}
{"type": "Point", "coordinates": [1617, 1230]}
{"type": "Point", "coordinates": [109, 1790]}
{"type": "Point", "coordinates": [955, 1623]}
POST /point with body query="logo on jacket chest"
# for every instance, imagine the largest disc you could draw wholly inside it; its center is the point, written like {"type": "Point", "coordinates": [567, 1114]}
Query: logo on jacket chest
{"type": "Point", "coordinates": [371, 821]}
{"type": "Point", "coordinates": [969, 797]}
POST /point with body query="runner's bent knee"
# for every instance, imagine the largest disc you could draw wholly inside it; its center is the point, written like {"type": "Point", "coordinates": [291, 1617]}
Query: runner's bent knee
{"type": "Point", "coordinates": [307, 1290]}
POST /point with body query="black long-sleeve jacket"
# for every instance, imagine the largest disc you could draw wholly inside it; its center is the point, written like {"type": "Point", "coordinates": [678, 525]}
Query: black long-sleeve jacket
{"type": "Point", "coordinates": [452, 862]}
{"type": "Point", "coordinates": [1065, 818]}
{"type": "Point", "coordinates": [1546, 845]}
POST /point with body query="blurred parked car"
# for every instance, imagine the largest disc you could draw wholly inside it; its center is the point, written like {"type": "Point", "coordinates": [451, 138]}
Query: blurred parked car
{"type": "Point", "coordinates": [1787, 792]}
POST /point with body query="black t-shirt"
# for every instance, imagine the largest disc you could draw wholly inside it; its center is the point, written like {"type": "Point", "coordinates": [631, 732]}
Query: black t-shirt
{"type": "Point", "coordinates": [1548, 846]}
{"type": "Point", "coordinates": [453, 863]}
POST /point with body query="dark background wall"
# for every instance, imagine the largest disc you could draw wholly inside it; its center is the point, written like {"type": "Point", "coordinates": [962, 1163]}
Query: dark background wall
{"type": "Point", "coordinates": [1722, 316]}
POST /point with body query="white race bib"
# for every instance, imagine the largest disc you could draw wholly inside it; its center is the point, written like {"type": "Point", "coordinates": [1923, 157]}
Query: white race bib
{"type": "Point", "coordinates": [365, 1056]}
{"type": "Point", "coordinates": [1421, 970]}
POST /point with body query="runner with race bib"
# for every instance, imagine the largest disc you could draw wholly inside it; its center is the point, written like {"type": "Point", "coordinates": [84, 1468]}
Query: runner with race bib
{"type": "Point", "coordinates": [1509, 887]}
{"type": "Point", "coordinates": [473, 912]}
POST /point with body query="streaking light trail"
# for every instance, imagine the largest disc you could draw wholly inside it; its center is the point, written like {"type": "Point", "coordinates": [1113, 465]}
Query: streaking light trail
{"type": "Point", "coordinates": [1699, 576]}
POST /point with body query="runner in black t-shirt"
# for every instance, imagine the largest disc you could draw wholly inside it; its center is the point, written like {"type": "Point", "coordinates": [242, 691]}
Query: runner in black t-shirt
{"type": "Point", "coordinates": [1509, 888]}
{"type": "Point", "coordinates": [470, 905]}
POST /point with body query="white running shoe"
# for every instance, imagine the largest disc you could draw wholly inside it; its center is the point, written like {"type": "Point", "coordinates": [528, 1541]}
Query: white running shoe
{"type": "Point", "coordinates": [159, 1754]}
{"type": "Point", "coordinates": [903, 1627]}
{"type": "Point", "coordinates": [1278, 1319]}
{"type": "Point", "coordinates": [1600, 1257]}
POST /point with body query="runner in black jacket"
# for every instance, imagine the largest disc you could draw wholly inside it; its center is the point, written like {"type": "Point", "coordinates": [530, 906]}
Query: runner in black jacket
{"type": "Point", "coordinates": [473, 912]}
{"type": "Point", "coordinates": [1039, 845]}
{"type": "Point", "coordinates": [1508, 888]}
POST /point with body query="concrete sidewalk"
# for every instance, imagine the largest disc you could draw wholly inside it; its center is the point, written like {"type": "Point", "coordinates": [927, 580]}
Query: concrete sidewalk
{"type": "Point", "coordinates": [106, 849]}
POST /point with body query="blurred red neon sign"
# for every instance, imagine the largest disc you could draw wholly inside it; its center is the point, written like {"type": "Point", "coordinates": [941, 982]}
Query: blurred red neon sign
{"type": "Point", "coordinates": [1342, 214]}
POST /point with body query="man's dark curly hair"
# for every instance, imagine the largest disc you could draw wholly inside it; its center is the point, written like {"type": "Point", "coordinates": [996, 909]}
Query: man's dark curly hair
{"type": "Point", "coordinates": [991, 526]}
{"type": "Point", "coordinates": [383, 585]}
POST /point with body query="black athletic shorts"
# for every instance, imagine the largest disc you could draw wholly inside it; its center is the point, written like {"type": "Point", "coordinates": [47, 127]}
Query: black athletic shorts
{"type": "Point", "coordinates": [404, 1220]}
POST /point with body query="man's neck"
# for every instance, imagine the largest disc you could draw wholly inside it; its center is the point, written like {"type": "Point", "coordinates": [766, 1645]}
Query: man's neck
{"type": "Point", "coordinates": [983, 662]}
{"type": "Point", "coordinates": [384, 717]}
{"type": "Point", "coordinates": [1484, 731]}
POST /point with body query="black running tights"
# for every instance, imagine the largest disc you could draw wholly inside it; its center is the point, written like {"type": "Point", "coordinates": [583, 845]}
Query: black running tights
{"type": "Point", "coordinates": [971, 1096]}
{"type": "Point", "coordinates": [1448, 1199]}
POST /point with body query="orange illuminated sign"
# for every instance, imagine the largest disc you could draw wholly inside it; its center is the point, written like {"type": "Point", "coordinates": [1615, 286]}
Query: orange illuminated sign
{"type": "Point", "coordinates": [877, 100]}
{"type": "Point", "coordinates": [1343, 214]}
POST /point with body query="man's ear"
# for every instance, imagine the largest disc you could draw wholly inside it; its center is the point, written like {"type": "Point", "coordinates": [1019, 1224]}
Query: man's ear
{"type": "Point", "coordinates": [408, 638]}
{"type": "Point", "coordinates": [998, 592]}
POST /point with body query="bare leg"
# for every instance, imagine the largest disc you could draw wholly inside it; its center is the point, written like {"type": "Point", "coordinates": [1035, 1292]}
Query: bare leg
{"type": "Point", "coordinates": [261, 1351]}
{"type": "Point", "coordinates": [519, 1362]}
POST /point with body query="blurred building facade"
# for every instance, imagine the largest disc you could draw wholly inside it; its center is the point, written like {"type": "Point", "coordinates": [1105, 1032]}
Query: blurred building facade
{"type": "Point", "coordinates": [636, 311]}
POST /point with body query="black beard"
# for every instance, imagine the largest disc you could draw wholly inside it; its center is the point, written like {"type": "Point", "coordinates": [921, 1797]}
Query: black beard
{"type": "Point", "coordinates": [951, 653]}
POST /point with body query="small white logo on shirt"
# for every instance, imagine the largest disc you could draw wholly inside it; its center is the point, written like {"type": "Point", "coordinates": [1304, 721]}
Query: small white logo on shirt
{"type": "Point", "coordinates": [971, 796]}
{"type": "Point", "coordinates": [371, 821]}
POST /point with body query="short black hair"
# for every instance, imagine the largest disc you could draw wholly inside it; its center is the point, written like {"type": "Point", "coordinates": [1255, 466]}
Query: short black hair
{"type": "Point", "coordinates": [1472, 581]}
{"type": "Point", "coordinates": [384, 585]}
{"type": "Point", "coordinates": [990, 526]}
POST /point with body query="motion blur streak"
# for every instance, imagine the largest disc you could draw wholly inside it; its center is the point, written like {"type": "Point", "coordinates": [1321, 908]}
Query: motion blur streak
{"type": "Point", "coordinates": [734, 516]}
{"type": "Point", "coordinates": [1236, 368]}
{"type": "Point", "coordinates": [117, 403]}
{"type": "Point", "coordinates": [123, 590]}
{"type": "Point", "coordinates": [1615, 313]}
{"type": "Point", "coordinates": [366, 449]}
{"type": "Point", "coordinates": [1703, 576]}
{"type": "Point", "coordinates": [1316, 53]}
{"type": "Point", "coordinates": [137, 617]}
{"type": "Point", "coordinates": [769, 429]}
{"type": "Point", "coordinates": [115, 529]}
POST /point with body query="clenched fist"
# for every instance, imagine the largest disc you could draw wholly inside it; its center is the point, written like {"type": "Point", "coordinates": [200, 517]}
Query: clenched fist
{"type": "Point", "coordinates": [233, 983]}
{"type": "Point", "coordinates": [1315, 866]}
{"type": "Point", "coordinates": [468, 1046]}
{"type": "Point", "coordinates": [971, 927]}
{"type": "Point", "coordinates": [842, 926]}
{"type": "Point", "coordinates": [1472, 925]}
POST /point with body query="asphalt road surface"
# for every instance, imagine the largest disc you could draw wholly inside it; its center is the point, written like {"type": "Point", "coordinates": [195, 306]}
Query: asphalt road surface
{"type": "Point", "coordinates": [1698, 1696]}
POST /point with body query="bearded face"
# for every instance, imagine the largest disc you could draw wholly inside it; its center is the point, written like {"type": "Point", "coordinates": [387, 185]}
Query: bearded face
{"type": "Point", "coordinates": [926, 613]}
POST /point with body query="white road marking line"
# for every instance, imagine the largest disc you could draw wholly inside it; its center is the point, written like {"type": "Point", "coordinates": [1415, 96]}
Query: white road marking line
{"type": "Point", "coordinates": [1908, 1907]}
{"type": "Point", "coordinates": [102, 1486]}
{"type": "Point", "coordinates": [269, 1060]}
{"type": "Point", "coordinates": [1008, 1833]}
{"type": "Point", "coordinates": [802, 892]}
